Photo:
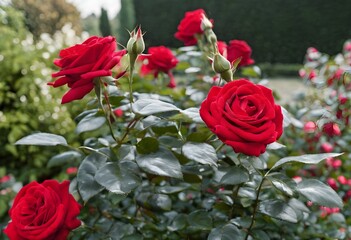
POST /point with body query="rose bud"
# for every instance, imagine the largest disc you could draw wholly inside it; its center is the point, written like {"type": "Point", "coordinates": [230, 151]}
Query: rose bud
{"type": "Point", "coordinates": [222, 66]}
{"type": "Point", "coordinates": [332, 183]}
{"type": "Point", "coordinates": [309, 127]}
{"type": "Point", "coordinates": [331, 129]}
{"type": "Point", "coordinates": [342, 179]}
{"type": "Point", "coordinates": [327, 147]}
{"type": "Point", "coordinates": [136, 45]}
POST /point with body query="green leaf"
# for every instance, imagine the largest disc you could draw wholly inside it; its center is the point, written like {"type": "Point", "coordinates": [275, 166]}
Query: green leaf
{"type": "Point", "coordinates": [200, 152]}
{"type": "Point", "coordinates": [87, 185]}
{"type": "Point", "coordinates": [234, 176]}
{"type": "Point", "coordinates": [63, 158]}
{"type": "Point", "coordinates": [227, 232]}
{"type": "Point", "coordinates": [278, 209]}
{"type": "Point", "coordinates": [42, 139]}
{"type": "Point", "coordinates": [147, 145]}
{"type": "Point", "coordinates": [171, 189]}
{"type": "Point", "coordinates": [115, 180]}
{"type": "Point", "coordinates": [161, 202]}
{"type": "Point", "coordinates": [200, 219]}
{"type": "Point", "coordinates": [90, 122]}
{"type": "Point", "coordinates": [162, 162]}
{"type": "Point", "coordinates": [189, 115]}
{"type": "Point", "coordinates": [307, 159]}
{"type": "Point", "coordinates": [147, 106]}
{"type": "Point", "coordinates": [283, 184]}
{"type": "Point", "coordinates": [179, 222]}
{"type": "Point", "coordinates": [319, 193]}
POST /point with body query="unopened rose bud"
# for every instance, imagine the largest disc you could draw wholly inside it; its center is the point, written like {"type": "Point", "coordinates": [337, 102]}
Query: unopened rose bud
{"type": "Point", "coordinates": [309, 127]}
{"type": "Point", "coordinates": [206, 23]}
{"type": "Point", "coordinates": [342, 179]}
{"type": "Point", "coordinates": [332, 183]}
{"type": "Point", "coordinates": [136, 45]}
{"type": "Point", "coordinates": [327, 147]}
{"type": "Point", "coordinates": [222, 66]}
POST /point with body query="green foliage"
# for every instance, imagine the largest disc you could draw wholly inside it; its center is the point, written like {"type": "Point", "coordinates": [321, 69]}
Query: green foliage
{"type": "Point", "coordinates": [126, 20]}
{"type": "Point", "coordinates": [26, 103]}
{"type": "Point", "coordinates": [277, 33]}
{"type": "Point", "coordinates": [104, 23]}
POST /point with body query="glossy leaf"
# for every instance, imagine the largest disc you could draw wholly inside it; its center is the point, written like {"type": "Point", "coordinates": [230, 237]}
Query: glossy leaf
{"type": "Point", "coordinates": [63, 158]}
{"type": "Point", "coordinates": [90, 122]}
{"type": "Point", "coordinates": [42, 139]}
{"type": "Point", "coordinates": [200, 219]}
{"type": "Point", "coordinates": [200, 152]}
{"type": "Point", "coordinates": [149, 106]}
{"type": "Point", "coordinates": [116, 180]}
{"type": "Point", "coordinates": [235, 175]}
{"type": "Point", "coordinates": [278, 209]}
{"type": "Point", "coordinates": [147, 145]}
{"type": "Point", "coordinates": [162, 162]}
{"type": "Point", "coordinates": [307, 159]}
{"type": "Point", "coordinates": [227, 232]}
{"type": "Point", "coordinates": [87, 185]}
{"type": "Point", "coordinates": [319, 193]}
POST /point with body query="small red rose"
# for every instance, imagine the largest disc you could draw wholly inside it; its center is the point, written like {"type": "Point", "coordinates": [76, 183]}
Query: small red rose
{"type": "Point", "coordinates": [159, 59]}
{"type": "Point", "coordinates": [237, 49]}
{"type": "Point", "coordinates": [243, 115]}
{"type": "Point", "coordinates": [189, 26]}
{"type": "Point", "coordinates": [81, 63]}
{"type": "Point", "coordinates": [44, 211]}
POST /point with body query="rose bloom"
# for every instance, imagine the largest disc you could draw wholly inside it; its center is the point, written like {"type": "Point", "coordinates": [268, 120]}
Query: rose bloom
{"type": "Point", "coordinates": [44, 211]}
{"type": "Point", "coordinates": [237, 49]}
{"type": "Point", "coordinates": [189, 26]}
{"type": "Point", "coordinates": [159, 59]}
{"type": "Point", "coordinates": [222, 48]}
{"type": "Point", "coordinates": [243, 115]}
{"type": "Point", "coordinates": [81, 63]}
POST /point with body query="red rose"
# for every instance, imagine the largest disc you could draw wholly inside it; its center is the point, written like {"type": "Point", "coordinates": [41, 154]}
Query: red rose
{"type": "Point", "coordinates": [243, 115]}
{"type": "Point", "coordinates": [189, 26]}
{"type": "Point", "coordinates": [81, 63]}
{"type": "Point", "coordinates": [222, 48]}
{"type": "Point", "coordinates": [237, 49]}
{"type": "Point", "coordinates": [159, 59]}
{"type": "Point", "coordinates": [44, 211]}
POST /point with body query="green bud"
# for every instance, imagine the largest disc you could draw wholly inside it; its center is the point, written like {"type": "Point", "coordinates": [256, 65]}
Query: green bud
{"type": "Point", "coordinates": [220, 64]}
{"type": "Point", "coordinates": [136, 45]}
{"type": "Point", "coordinates": [206, 24]}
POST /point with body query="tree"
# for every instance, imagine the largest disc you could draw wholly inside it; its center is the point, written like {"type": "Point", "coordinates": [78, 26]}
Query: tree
{"type": "Point", "coordinates": [126, 21]}
{"type": "Point", "coordinates": [49, 17]}
{"type": "Point", "coordinates": [104, 23]}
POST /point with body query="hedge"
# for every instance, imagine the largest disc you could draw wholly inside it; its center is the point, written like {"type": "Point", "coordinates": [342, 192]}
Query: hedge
{"type": "Point", "coordinates": [278, 31]}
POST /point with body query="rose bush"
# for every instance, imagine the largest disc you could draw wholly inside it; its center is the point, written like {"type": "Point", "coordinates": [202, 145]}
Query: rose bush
{"type": "Point", "coordinates": [153, 164]}
{"type": "Point", "coordinates": [243, 115]}
{"type": "Point", "coordinates": [81, 63]}
{"type": "Point", "coordinates": [43, 212]}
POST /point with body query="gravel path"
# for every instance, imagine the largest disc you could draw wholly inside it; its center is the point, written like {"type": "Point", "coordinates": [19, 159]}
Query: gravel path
{"type": "Point", "coordinates": [287, 88]}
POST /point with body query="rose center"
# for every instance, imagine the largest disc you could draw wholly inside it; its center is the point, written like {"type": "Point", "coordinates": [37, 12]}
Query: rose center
{"type": "Point", "coordinates": [248, 107]}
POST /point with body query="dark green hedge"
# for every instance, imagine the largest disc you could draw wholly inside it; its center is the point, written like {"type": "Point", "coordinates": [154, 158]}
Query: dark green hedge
{"type": "Point", "coordinates": [277, 30]}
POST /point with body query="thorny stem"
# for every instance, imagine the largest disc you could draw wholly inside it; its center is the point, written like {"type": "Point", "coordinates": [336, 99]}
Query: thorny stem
{"type": "Point", "coordinates": [106, 113]}
{"type": "Point", "coordinates": [255, 209]}
{"type": "Point", "coordinates": [130, 126]}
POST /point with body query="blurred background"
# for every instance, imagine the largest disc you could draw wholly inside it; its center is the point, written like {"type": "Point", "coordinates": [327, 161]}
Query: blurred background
{"type": "Point", "coordinates": [33, 31]}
